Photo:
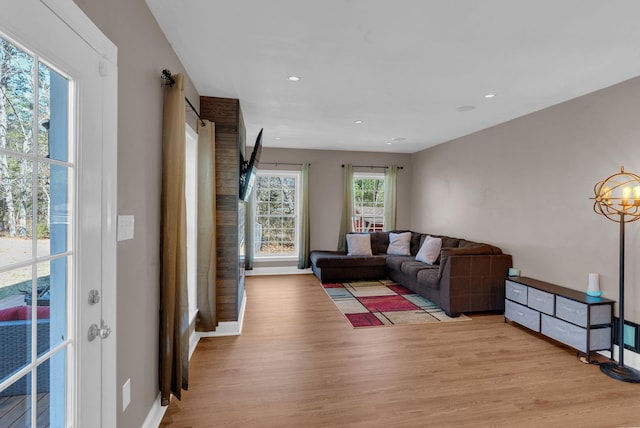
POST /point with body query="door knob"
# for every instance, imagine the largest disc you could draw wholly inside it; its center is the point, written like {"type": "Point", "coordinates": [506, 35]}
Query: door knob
{"type": "Point", "coordinates": [102, 332]}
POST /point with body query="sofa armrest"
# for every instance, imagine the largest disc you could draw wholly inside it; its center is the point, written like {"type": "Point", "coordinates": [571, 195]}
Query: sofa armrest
{"type": "Point", "coordinates": [473, 282]}
{"type": "Point", "coordinates": [447, 253]}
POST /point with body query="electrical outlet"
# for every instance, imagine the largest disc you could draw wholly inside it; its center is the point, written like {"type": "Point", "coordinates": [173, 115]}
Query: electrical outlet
{"type": "Point", "coordinates": [126, 394]}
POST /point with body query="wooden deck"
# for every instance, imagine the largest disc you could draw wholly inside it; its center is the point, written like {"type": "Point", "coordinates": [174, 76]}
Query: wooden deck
{"type": "Point", "coordinates": [15, 411]}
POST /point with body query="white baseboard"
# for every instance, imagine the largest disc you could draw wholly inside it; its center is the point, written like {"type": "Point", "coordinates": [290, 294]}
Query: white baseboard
{"type": "Point", "coordinates": [281, 270]}
{"type": "Point", "coordinates": [155, 415]}
{"type": "Point", "coordinates": [631, 359]}
{"type": "Point", "coordinates": [227, 328]}
{"type": "Point", "coordinates": [193, 342]}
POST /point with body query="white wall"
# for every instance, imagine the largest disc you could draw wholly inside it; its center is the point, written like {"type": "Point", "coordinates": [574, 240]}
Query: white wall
{"type": "Point", "coordinates": [525, 186]}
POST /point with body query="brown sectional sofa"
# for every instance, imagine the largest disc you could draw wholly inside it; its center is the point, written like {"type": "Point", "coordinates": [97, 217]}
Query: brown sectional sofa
{"type": "Point", "coordinates": [467, 277]}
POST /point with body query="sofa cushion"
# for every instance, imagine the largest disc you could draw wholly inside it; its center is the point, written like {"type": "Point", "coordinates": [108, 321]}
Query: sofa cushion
{"type": "Point", "coordinates": [429, 278]}
{"type": "Point", "coordinates": [449, 242]}
{"type": "Point", "coordinates": [399, 244]}
{"type": "Point", "coordinates": [333, 259]}
{"type": "Point", "coordinates": [416, 241]}
{"type": "Point", "coordinates": [395, 262]}
{"type": "Point", "coordinates": [412, 268]}
{"type": "Point", "coordinates": [359, 244]}
{"type": "Point", "coordinates": [379, 242]}
{"type": "Point", "coordinates": [430, 250]}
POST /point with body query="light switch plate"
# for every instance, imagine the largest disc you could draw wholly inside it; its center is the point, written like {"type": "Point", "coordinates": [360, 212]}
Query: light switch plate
{"type": "Point", "coordinates": [125, 227]}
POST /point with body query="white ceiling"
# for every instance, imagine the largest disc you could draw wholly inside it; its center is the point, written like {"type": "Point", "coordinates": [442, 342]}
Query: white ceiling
{"type": "Point", "coordinates": [405, 67]}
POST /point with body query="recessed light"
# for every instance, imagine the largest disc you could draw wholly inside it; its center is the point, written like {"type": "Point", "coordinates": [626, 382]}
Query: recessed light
{"type": "Point", "coordinates": [293, 78]}
{"type": "Point", "coordinates": [388, 144]}
{"type": "Point", "coordinates": [357, 121]}
{"type": "Point", "coordinates": [465, 108]}
{"type": "Point", "coordinates": [398, 139]}
{"type": "Point", "coordinates": [490, 95]}
{"type": "Point", "coordinates": [277, 138]}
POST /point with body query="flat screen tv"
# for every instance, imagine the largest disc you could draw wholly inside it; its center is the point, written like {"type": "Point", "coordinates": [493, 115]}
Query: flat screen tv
{"type": "Point", "coordinates": [249, 168]}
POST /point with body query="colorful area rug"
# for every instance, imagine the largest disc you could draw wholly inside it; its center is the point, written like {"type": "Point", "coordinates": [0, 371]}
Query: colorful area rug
{"type": "Point", "coordinates": [376, 303]}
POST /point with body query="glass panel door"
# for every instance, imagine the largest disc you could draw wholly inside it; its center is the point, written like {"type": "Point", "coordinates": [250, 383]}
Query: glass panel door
{"type": "Point", "coordinates": [36, 252]}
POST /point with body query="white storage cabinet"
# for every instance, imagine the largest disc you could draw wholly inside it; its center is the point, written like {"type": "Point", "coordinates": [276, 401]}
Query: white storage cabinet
{"type": "Point", "coordinates": [568, 316]}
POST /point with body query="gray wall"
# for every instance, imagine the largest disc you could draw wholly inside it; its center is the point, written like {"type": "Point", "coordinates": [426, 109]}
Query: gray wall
{"type": "Point", "coordinates": [325, 186]}
{"type": "Point", "coordinates": [525, 186]}
{"type": "Point", "coordinates": [143, 52]}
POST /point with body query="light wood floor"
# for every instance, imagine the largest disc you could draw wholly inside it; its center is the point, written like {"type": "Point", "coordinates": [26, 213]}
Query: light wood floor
{"type": "Point", "coordinates": [299, 363]}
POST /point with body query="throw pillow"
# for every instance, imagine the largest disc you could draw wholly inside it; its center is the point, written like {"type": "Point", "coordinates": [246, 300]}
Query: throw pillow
{"type": "Point", "coordinates": [359, 244]}
{"type": "Point", "coordinates": [430, 250]}
{"type": "Point", "coordinates": [399, 243]}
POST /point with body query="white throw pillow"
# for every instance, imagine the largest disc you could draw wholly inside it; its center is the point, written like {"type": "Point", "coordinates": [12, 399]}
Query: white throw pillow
{"type": "Point", "coordinates": [430, 250]}
{"type": "Point", "coordinates": [359, 244]}
{"type": "Point", "coordinates": [399, 244]}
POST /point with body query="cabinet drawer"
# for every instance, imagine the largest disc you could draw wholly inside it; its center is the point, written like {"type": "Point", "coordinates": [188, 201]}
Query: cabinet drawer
{"type": "Point", "coordinates": [541, 301]}
{"type": "Point", "coordinates": [576, 312]}
{"type": "Point", "coordinates": [522, 315]}
{"type": "Point", "coordinates": [575, 336]}
{"type": "Point", "coordinates": [516, 292]}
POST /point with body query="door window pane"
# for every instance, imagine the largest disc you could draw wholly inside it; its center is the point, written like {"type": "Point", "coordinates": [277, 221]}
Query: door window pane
{"type": "Point", "coordinates": [17, 98]}
{"type": "Point", "coordinates": [16, 204]}
{"type": "Point", "coordinates": [16, 400]}
{"type": "Point", "coordinates": [15, 321]}
{"type": "Point", "coordinates": [52, 114]}
{"type": "Point", "coordinates": [53, 209]}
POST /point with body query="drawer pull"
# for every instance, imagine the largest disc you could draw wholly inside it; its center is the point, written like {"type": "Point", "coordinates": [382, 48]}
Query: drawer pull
{"type": "Point", "coordinates": [568, 309]}
{"type": "Point", "coordinates": [561, 330]}
{"type": "Point", "coordinates": [521, 314]}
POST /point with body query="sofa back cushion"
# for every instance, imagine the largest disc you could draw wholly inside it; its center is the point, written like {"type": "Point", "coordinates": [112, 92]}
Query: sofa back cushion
{"type": "Point", "coordinates": [379, 242]}
{"type": "Point", "coordinates": [449, 242]}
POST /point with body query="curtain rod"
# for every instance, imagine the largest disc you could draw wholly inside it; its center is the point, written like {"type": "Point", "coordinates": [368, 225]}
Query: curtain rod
{"type": "Point", "coordinates": [281, 163]}
{"type": "Point", "coordinates": [372, 166]}
{"type": "Point", "coordinates": [166, 75]}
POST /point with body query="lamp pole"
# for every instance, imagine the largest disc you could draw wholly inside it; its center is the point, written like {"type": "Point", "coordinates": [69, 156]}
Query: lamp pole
{"type": "Point", "coordinates": [621, 293]}
{"type": "Point", "coordinates": [608, 206]}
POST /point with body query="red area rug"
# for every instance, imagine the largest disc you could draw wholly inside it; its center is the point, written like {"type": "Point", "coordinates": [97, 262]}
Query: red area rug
{"type": "Point", "coordinates": [377, 303]}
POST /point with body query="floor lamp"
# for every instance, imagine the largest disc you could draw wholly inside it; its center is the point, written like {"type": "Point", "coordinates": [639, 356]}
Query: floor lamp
{"type": "Point", "coordinates": [618, 199]}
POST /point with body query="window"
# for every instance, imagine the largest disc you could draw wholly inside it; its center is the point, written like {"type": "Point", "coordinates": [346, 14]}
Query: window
{"type": "Point", "coordinates": [368, 202]}
{"type": "Point", "coordinates": [191, 201]}
{"type": "Point", "coordinates": [276, 196]}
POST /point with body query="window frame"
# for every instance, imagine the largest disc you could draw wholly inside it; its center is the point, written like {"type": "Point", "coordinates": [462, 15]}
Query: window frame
{"type": "Point", "coordinates": [366, 175]}
{"type": "Point", "coordinates": [297, 175]}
